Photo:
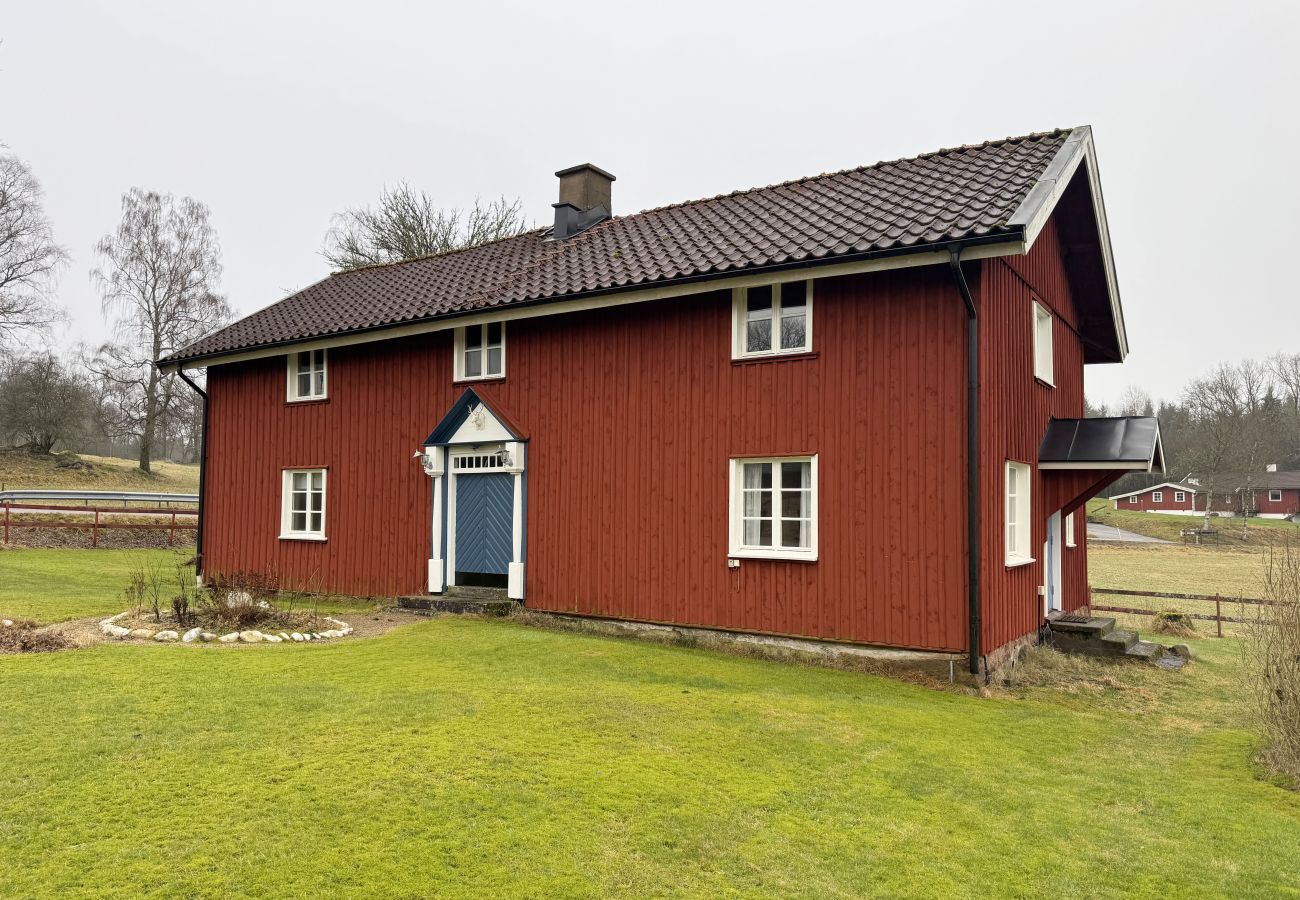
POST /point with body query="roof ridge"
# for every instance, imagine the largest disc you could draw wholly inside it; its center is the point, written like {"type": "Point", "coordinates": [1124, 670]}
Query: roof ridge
{"type": "Point", "coordinates": [932, 154]}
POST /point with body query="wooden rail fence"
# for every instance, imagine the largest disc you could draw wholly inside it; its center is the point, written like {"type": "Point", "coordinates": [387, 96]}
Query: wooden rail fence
{"type": "Point", "coordinates": [171, 526]}
{"type": "Point", "coordinates": [1217, 599]}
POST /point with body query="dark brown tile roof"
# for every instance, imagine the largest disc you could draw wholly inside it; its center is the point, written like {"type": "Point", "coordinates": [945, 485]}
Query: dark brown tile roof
{"type": "Point", "coordinates": [958, 194]}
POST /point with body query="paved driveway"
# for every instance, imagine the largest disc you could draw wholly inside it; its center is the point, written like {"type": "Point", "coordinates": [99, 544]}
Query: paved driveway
{"type": "Point", "coordinates": [1098, 532]}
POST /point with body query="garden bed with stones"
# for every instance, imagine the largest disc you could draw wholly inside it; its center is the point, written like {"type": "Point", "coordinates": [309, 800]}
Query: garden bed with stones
{"type": "Point", "coordinates": [127, 626]}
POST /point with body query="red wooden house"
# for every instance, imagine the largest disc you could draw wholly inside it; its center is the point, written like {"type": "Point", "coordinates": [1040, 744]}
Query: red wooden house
{"type": "Point", "coordinates": [753, 412]}
{"type": "Point", "coordinates": [1269, 495]}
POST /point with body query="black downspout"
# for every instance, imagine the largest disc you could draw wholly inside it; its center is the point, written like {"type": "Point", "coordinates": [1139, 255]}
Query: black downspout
{"type": "Point", "coordinates": [203, 470]}
{"type": "Point", "coordinates": [972, 458]}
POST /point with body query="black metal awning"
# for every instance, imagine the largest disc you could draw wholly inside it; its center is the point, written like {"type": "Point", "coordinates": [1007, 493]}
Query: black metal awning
{"type": "Point", "coordinates": [1129, 443]}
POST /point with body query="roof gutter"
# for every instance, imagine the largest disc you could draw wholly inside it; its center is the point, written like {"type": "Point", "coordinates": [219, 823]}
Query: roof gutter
{"type": "Point", "coordinates": [203, 470]}
{"type": "Point", "coordinates": [1002, 243]}
{"type": "Point", "coordinates": [972, 458]}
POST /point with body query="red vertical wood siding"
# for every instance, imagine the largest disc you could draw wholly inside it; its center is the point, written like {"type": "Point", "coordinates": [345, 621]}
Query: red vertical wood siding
{"type": "Point", "coordinates": [1146, 501]}
{"type": "Point", "coordinates": [1014, 410]}
{"type": "Point", "coordinates": [633, 414]}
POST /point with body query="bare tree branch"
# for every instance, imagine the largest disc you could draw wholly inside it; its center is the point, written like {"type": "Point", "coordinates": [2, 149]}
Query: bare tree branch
{"type": "Point", "coordinates": [407, 224]}
{"type": "Point", "coordinates": [29, 257]}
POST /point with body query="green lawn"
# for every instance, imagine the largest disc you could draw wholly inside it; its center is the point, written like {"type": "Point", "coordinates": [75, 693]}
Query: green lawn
{"type": "Point", "coordinates": [464, 757]}
{"type": "Point", "coordinates": [57, 585]}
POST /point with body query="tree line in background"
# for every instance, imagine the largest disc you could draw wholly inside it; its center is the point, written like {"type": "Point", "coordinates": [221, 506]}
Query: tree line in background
{"type": "Point", "coordinates": [157, 275]}
{"type": "Point", "coordinates": [1238, 419]}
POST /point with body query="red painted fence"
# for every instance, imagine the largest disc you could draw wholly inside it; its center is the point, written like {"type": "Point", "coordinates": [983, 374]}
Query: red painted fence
{"type": "Point", "coordinates": [97, 524]}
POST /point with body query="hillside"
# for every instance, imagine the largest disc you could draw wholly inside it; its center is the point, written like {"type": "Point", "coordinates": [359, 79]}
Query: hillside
{"type": "Point", "coordinates": [21, 470]}
{"type": "Point", "coordinates": [1228, 531]}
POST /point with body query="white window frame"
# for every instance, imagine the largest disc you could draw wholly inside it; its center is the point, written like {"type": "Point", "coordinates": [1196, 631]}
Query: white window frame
{"type": "Point", "coordinates": [1017, 511]}
{"type": "Point", "coordinates": [287, 531]}
{"type": "Point", "coordinates": [737, 549]}
{"type": "Point", "coordinates": [459, 353]}
{"type": "Point", "coordinates": [1044, 360]}
{"type": "Point", "coordinates": [1133, 500]}
{"type": "Point", "coordinates": [1070, 542]}
{"type": "Point", "coordinates": [739, 319]}
{"type": "Point", "coordinates": [1274, 496]}
{"type": "Point", "coordinates": [1180, 496]}
{"type": "Point", "coordinates": [1157, 496]}
{"type": "Point", "coordinates": [318, 359]}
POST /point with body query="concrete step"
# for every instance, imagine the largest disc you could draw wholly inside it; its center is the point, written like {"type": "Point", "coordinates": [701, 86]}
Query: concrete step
{"type": "Point", "coordinates": [1095, 627]}
{"type": "Point", "coordinates": [1119, 641]}
{"type": "Point", "coordinates": [438, 603]}
{"type": "Point", "coordinates": [1146, 651]}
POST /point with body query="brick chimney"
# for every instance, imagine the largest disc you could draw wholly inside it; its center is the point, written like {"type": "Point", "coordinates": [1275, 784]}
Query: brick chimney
{"type": "Point", "coordinates": [584, 200]}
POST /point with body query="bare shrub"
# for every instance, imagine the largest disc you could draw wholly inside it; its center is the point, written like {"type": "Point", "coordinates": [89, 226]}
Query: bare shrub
{"type": "Point", "coordinates": [24, 636]}
{"type": "Point", "coordinates": [1271, 644]}
{"type": "Point", "coordinates": [1171, 621]}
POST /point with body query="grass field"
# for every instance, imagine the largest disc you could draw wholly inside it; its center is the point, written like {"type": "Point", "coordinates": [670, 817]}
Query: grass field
{"type": "Point", "coordinates": [462, 757]}
{"type": "Point", "coordinates": [20, 470]}
{"type": "Point", "coordinates": [1258, 532]}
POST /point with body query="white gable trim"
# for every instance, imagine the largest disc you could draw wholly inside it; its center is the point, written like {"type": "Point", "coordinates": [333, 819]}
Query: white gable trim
{"type": "Point", "coordinates": [481, 426]}
{"type": "Point", "coordinates": [1186, 489]}
{"type": "Point", "coordinates": [1040, 203]}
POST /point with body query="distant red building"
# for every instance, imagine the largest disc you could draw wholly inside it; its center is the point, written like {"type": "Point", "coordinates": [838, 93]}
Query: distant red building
{"type": "Point", "coordinates": [1270, 495]}
{"type": "Point", "coordinates": [751, 412]}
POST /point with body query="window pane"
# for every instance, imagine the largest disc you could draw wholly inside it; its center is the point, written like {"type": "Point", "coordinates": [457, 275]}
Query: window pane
{"type": "Point", "coordinates": [494, 361]}
{"type": "Point", "coordinates": [795, 474]}
{"type": "Point", "coordinates": [754, 503]}
{"type": "Point", "coordinates": [794, 534]}
{"type": "Point", "coordinates": [300, 481]}
{"type": "Point", "coordinates": [473, 363]}
{"type": "Point", "coordinates": [304, 361]}
{"type": "Point", "coordinates": [494, 334]}
{"type": "Point", "coordinates": [316, 522]}
{"type": "Point", "coordinates": [765, 533]}
{"type": "Point", "coordinates": [474, 336]}
{"type": "Point", "coordinates": [752, 532]}
{"type": "Point", "coordinates": [298, 501]}
{"type": "Point", "coordinates": [320, 382]}
{"type": "Point", "coordinates": [758, 475]}
{"type": "Point", "coordinates": [794, 330]}
{"type": "Point", "coordinates": [317, 479]}
{"type": "Point", "coordinates": [304, 384]}
{"type": "Point", "coordinates": [794, 504]}
{"type": "Point", "coordinates": [758, 319]}
{"type": "Point", "coordinates": [298, 522]}
{"type": "Point", "coordinates": [317, 501]}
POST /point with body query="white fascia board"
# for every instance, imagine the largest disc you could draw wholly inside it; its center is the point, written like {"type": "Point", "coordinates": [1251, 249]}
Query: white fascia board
{"type": "Point", "coordinates": [619, 298]}
{"type": "Point", "coordinates": [1039, 204]}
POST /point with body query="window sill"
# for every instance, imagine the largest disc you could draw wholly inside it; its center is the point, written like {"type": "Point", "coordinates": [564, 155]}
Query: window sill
{"type": "Point", "coordinates": [809, 556]}
{"type": "Point", "coordinates": [774, 357]}
{"type": "Point", "coordinates": [316, 538]}
{"type": "Point", "coordinates": [1015, 562]}
{"type": "Point", "coordinates": [481, 379]}
{"type": "Point", "coordinates": [1044, 382]}
{"type": "Point", "coordinates": [306, 401]}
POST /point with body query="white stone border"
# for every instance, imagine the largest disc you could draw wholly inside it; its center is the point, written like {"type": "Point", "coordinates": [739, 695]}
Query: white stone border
{"type": "Point", "coordinates": [110, 628]}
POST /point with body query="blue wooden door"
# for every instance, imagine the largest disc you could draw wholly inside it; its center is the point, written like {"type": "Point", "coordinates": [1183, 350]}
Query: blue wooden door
{"type": "Point", "coordinates": [484, 527]}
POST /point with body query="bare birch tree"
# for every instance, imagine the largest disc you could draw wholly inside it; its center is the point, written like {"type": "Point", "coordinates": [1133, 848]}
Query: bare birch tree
{"type": "Point", "coordinates": [158, 277]}
{"type": "Point", "coordinates": [407, 224]}
{"type": "Point", "coordinates": [29, 257]}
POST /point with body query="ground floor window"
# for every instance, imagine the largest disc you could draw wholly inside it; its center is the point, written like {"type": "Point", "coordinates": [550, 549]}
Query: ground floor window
{"type": "Point", "coordinates": [1017, 514]}
{"type": "Point", "coordinates": [773, 507]}
{"type": "Point", "coordinates": [1180, 497]}
{"type": "Point", "coordinates": [302, 505]}
{"type": "Point", "coordinates": [1275, 496]}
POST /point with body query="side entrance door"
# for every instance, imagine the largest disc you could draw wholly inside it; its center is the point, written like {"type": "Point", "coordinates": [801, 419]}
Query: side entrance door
{"type": "Point", "coordinates": [1052, 564]}
{"type": "Point", "coordinates": [484, 522]}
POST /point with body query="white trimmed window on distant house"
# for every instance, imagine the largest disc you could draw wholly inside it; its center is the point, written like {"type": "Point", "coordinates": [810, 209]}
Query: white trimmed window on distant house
{"type": "Point", "coordinates": [773, 508]}
{"type": "Point", "coordinates": [1133, 499]}
{"type": "Point", "coordinates": [302, 505]}
{"type": "Point", "coordinates": [480, 351]}
{"type": "Point", "coordinates": [1157, 496]}
{"type": "Point", "coordinates": [1275, 496]}
{"type": "Point", "coordinates": [1180, 497]}
{"type": "Point", "coordinates": [307, 375]}
{"type": "Point", "coordinates": [1017, 514]}
{"type": "Point", "coordinates": [1043, 360]}
{"type": "Point", "coordinates": [772, 320]}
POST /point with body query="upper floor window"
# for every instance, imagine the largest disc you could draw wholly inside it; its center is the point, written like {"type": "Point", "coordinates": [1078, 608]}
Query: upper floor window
{"type": "Point", "coordinates": [307, 375]}
{"type": "Point", "coordinates": [772, 319]}
{"type": "Point", "coordinates": [481, 351]}
{"type": "Point", "coordinates": [1043, 370]}
{"type": "Point", "coordinates": [302, 505]}
{"type": "Point", "coordinates": [774, 508]}
{"type": "Point", "coordinates": [1017, 514]}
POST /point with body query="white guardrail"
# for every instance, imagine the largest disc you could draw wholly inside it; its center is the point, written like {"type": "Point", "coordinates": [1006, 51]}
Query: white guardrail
{"type": "Point", "coordinates": [97, 496]}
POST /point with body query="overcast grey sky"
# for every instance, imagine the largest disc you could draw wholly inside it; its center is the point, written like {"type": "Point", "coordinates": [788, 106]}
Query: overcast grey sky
{"type": "Point", "coordinates": [277, 115]}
